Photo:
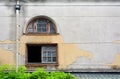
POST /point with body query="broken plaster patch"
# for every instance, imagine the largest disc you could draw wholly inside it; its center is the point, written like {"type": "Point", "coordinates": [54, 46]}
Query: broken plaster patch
{"type": "Point", "coordinates": [7, 42]}
{"type": "Point", "coordinates": [116, 61]}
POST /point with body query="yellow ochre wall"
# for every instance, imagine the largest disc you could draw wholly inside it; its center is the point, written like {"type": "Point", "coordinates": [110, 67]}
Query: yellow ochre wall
{"type": "Point", "coordinates": [7, 56]}
{"type": "Point", "coordinates": [67, 53]}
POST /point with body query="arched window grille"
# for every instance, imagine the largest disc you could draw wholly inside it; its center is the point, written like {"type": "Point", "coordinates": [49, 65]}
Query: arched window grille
{"type": "Point", "coordinates": [41, 25]}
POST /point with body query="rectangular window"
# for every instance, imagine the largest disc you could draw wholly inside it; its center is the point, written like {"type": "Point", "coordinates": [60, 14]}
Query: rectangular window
{"type": "Point", "coordinates": [49, 54]}
{"type": "Point", "coordinates": [42, 53]}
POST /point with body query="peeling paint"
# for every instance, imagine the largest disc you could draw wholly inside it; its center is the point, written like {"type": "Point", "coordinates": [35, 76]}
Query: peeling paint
{"type": "Point", "coordinates": [6, 57]}
{"type": "Point", "coordinates": [116, 61]}
{"type": "Point", "coordinates": [116, 41]}
{"type": "Point", "coordinates": [67, 53]}
{"type": "Point", "coordinates": [7, 42]}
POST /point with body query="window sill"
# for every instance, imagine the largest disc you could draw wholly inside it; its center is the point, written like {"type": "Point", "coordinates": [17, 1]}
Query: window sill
{"type": "Point", "coordinates": [40, 34]}
{"type": "Point", "coordinates": [40, 65]}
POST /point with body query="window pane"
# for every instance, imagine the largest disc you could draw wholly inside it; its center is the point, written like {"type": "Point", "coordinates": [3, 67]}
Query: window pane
{"type": "Point", "coordinates": [52, 29]}
{"type": "Point", "coordinates": [42, 21]}
{"type": "Point", "coordinates": [53, 48]}
{"type": "Point", "coordinates": [44, 47]}
{"type": "Point", "coordinates": [44, 59]}
{"type": "Point", "coordinates": [41, 26]}
{"type": "Point", "coordinates": [44, 29]}
{"type": "Point", "coordinates": [54, 59]}
{"type": "Point", "coordinates": [48, 48]}
{"type": "Point", "coordinates": [31, 28]}
{"type": "Point", "coordinates": [53, 54]}
{"type": "Point", "coordinates": [49, 54]}
{"type": "Point", "coordinates": [44, 54]}
{"type": "Point", "coordinates": [49, 59]}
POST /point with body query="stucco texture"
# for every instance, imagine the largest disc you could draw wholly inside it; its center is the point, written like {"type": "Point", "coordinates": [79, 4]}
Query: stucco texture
{"type": "Point", "coordinates": [116, 62]}
{"type": "Point", "coordinates": [67, 53]}
{"type": "Point", "coordinates": [6, 57]}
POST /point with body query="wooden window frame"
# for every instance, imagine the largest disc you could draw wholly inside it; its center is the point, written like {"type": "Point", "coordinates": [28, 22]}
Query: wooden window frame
{"type": "Point", "coordinates": [41, 64]}
{"type": "Point", "coordinates": [47, 54]}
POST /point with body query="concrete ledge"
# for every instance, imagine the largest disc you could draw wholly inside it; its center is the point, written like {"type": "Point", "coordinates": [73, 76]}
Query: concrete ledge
{"type": "Point", "coordinates": [93, 70]}
{"type": "Point", "coordinates": [86, 70]}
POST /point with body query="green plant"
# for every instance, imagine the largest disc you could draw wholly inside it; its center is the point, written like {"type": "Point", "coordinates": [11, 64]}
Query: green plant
{"type": "Point", "coordinates": [39, 74]}
{"type": "Point", "coordinates": [7, 72]}
{"type": "Point", "coordinates": [3, 70]}
{"type": "Point", "coordinates": [61, 75]}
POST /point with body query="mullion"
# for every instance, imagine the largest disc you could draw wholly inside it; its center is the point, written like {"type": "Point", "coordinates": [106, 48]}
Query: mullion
{"type": "Point", "coordinates": [45, 54]}
{"type": "Point", "coordinates": [49, 55]}
{"type": "Point", "coordinates": [42, 27]}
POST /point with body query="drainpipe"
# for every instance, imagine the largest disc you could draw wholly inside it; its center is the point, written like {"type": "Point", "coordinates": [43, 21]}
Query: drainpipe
{"type": "Point", "coordinates": [17, 9]}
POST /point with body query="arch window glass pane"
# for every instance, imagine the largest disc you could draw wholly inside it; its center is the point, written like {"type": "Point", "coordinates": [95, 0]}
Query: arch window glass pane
{"type": "Point", "coordinates": [31, 28]}
{"type": "Point", "coordinates": [41, 26]}
{"type": "Point", "coordinates": [52, 29]}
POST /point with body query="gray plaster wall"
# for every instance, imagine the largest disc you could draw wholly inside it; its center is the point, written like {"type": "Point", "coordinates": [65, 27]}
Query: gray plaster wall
{"type": "Point", "coordinates": [84, 23]}
{"type": "Point", "coordinates": [68, 0]}
{"type": "Point", "coordinates": [94, 27]}
{"type": "Point", "coordinates": [7, 22]}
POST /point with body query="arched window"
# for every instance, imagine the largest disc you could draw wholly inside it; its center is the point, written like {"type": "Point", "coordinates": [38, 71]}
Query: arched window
{"type": "Point", "coordinates": [41, 25]}
{"type": "Point", "coordinates": [42, 54]}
